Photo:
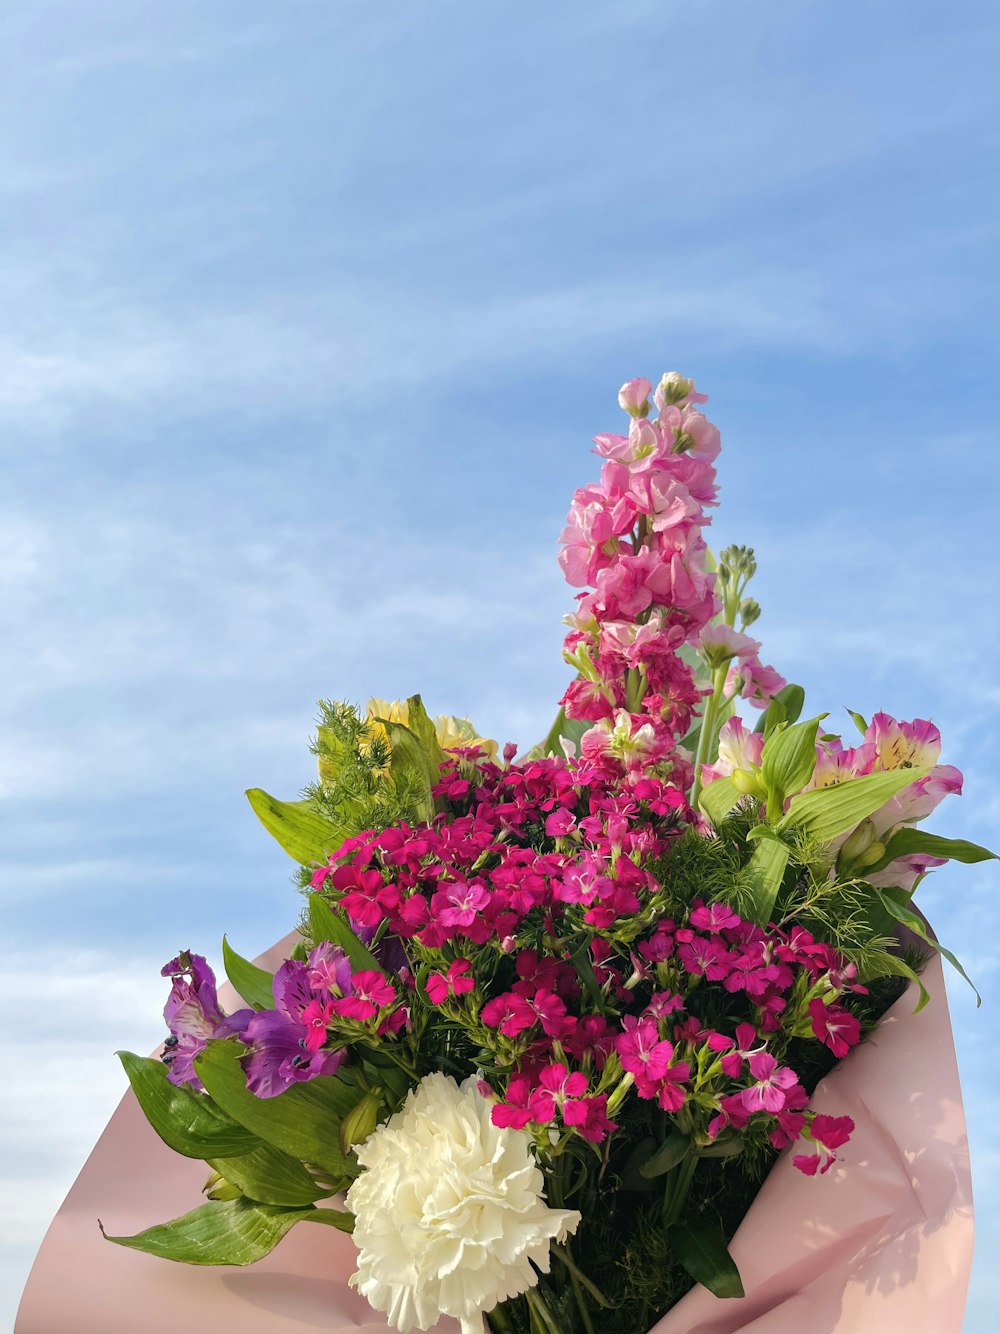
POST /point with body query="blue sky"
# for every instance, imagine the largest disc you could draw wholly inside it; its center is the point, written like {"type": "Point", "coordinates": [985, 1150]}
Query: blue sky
{"type": "Point", "coordinates": [309, 313]}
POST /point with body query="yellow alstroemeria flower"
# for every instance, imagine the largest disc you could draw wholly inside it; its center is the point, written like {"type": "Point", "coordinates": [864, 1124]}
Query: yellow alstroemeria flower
{"type": "Point", "coordinates": [451, 732]}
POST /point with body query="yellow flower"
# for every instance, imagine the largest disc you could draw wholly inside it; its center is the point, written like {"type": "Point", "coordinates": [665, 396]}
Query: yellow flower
{"type": "Point", "coordinates": [451, 732]}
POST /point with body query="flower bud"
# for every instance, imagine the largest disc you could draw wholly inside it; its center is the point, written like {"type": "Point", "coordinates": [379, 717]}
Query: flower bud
{"type": "Point", "coordinates": [633, 397]}
{"type": "Point", "coordinates": [748, 783]}
{"type": "Point", "coordinates": [749, 611]}
{"type": "Point", "coordinates": [218, 1188]}
{"type": "Point", "coordinates": [858, 843]}
{"type": "Point", "coordinates": [360, 1121]}
{"type": "Point", "coordinates": [675, 388]}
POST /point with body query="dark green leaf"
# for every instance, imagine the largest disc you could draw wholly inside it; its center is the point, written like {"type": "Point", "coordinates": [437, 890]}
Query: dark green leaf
{"type": "Point", "coordinates": [828, 811]}
{"type": "Point", "coordinates": [327, 924]}
{"type": "Point", "coordinates": [304, 1121]}
{"type": "Point", "coordinates": [668, 1155]}
{"type": "Point", "coordinates": [297, 826]}
{"type": "Point", "coordinates": [580, 959]}
{"type": "Point", "coordinates": [699, 1246]}
{"type": "Point", "coordinates": [252, 983]}
{"type": "Point", "coordinates": [187, 1121]}
{"type": "Point", "coordinates": [224, 1232]}
{"type": "Point", "coordinates": [907, 841]}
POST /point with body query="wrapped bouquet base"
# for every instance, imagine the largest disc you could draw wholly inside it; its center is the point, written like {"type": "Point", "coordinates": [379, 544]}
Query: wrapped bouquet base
{"type": "Point", "coordinates": [551, 1019]}
{"type": "Point", "coordinates": [886, 1247]}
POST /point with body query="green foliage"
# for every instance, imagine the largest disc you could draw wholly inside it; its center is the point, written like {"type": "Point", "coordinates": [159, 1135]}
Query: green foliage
{"type": "Point", "coordinates": [358, 787]}
{"type": "Point", "coordinates": [297, 826]}
{"type": "Point", "coordinates": [787, 763]}
{"type": "Point", "coordinates": [699, 1246]}
{"type": "Point", "coordinates": [304, 1121]}
{"type": "Point", "coordinates": [225, 1232]}
{"type": "Point", "coordinates": [253, 984]}
{"type": "Point", "coordinates": [186, 1121]}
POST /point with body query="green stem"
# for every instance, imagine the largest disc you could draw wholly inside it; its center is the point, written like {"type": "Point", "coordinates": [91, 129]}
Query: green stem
{"type": "Point", "coordinates": [562, 1253]}
{"type": "Point", "coordinates": [543, 1318]}
{"type": "Point", "coordinates": [679, 1185]}
{"type": "Point", "coordinates": [708, 724]}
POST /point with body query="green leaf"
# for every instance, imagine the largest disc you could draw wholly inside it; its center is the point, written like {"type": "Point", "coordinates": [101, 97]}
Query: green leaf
{"type": "Point", "coordinates": [326, 924]}
{"type": "Point", "coordinates": [411, 767]}
{"type": "Point", "coordinates": [297, 826]}
{"type": "Point", "coordinates": [304, 1121]}
{"type": "Point", "coordinates": [675, 1147]}
{"type": "Point", "coordinates": [763, 875]}
{"type": "Point", "coordinates": [907, 841]}
{"type": "Point", "coordinates": [859, 721]}
{"type": "Point", "coordinates": [188, 1122]}
{"type": "Point", "coordinates": [426, 733]}
{"type": "Point", "coordinates": [568, 729]}
{"type": "Point", "coordinates": [224, 1232]}
{"type": "Point", "coordinates": [896, 904]}
{"type": "Point", "coordinates": [828, 811]}
{"type": "Point", "coordinates": [252, 983]}
{"type": "Point", "coordinates": [268, 1176]}
{"type": "Point", "coordinates": [580, 959]}
{"type": "Point", "coordinates": [790, 701]}
{"type": "Point", "coordinates": [884, 964]}
{"type": "Point", "coordinates": [787, 763]}
{"type": "Point", "coordinates": [718, 799]}
{"type": "Point", "coordinates": [337, 1218]}
{"type": "Point", "coordinates": [699, 1246]}
{"type": "Point", "coordinates": [774, 715]}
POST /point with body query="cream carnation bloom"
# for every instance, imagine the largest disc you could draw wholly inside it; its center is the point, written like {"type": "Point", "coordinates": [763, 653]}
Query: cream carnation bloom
{"type": "Point", "coordinates": [449, 1214]}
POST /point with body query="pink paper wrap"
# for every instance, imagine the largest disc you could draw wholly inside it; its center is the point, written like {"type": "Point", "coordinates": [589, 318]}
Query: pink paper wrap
{"type": "Point", "coordinates": [881, 1244]}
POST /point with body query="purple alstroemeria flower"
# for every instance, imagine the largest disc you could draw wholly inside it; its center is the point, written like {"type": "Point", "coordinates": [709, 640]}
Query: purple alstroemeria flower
{"type": "Point", "coordinates": [286, 1042]}
{"type": "Point", "coordinates": [193, 1015]}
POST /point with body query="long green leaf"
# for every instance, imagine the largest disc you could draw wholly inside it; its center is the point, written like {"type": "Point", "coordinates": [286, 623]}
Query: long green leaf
{"type": "Point", "coordinates": [885, 964]}
{"type": "Point", "coordinates": [304, 1121]}
{"type": "Point", "coordinates": [787, 763]}
{"type": "Point", "coordinates": [699, 1246]}
{"type": "Point", "coordinates": [268, 1176]}
{"type": "Point", "coordinates": [297, 826]}
{"type": "Point", "coordinates": [188, 1122]}
{"type": "Point", "coordinates": [905, 842]}
{"type": "Point", "coordinates": [668, 1155]}
{"type": "Point", "coordinates": [326, 924]}
{"type": "Point", "coordinates": [252, 983]}
{"type": "Point", "coordinates": [224, 1232]}
{"type": "Point", "coordinates": [896, 904]}
{"type": "Point", "coordinates": [718, 799]}
{"type": "Point", "coordinates": [763, 875]}
{"type": "Point", "coordinates": [826, 812]}
{"type": "Point", "coordinates": [337, 1218]}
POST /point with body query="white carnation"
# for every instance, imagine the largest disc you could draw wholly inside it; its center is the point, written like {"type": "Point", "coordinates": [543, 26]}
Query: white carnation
{"type": "Point", "coordinates": [449, 1214]}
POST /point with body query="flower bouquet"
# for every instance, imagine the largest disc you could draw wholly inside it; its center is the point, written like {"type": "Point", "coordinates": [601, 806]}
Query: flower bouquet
{"type": "Point", "coordinates": [548, 1023]}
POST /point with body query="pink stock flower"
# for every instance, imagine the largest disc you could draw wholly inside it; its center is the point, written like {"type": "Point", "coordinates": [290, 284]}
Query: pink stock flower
{"type": "Point", "coordinates": [633, 397]}
{"type": "Point", "coordinates": [751, 680]}
{"type": "Point", "coordinates": [719, 643]}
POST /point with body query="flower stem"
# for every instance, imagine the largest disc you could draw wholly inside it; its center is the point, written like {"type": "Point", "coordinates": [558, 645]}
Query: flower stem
{"type": "Point", "coordinates": [562, 1253]}
{"type": "Point", "coordinates": [678, 1187]}
{"type": "Point", "coordinates": [708, 724]}
{"type": "Point", "coordinates": [542, 1318]}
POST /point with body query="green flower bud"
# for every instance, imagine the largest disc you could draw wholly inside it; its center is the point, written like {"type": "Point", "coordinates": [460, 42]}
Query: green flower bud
{"type": "Point", "coordinates": [361, 1120]}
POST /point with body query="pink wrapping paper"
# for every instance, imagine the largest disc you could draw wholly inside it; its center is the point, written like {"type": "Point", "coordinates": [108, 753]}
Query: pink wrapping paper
{"type": "Point", "coordinates": [882, 1243]}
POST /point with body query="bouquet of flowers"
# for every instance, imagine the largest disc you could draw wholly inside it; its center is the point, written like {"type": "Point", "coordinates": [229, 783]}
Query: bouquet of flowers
{"type": "Point", "coordinates": [549, 1020]}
